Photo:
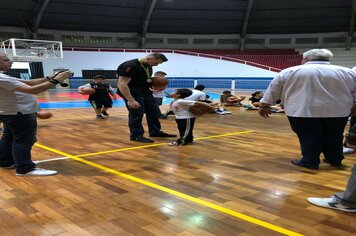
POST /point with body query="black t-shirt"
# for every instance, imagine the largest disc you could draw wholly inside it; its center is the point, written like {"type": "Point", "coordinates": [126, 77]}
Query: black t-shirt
{"type": "Point", "coordinates": [253, 99]}
{"type": "Point", "coordinates": [101, 92]}
{"type": "Point", "coordinates": [140, 77]}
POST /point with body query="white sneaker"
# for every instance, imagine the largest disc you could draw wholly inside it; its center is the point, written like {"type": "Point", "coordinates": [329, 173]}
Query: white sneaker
{"type": "Point", "coordinates": [39, 172]}
{"type": "Point", "coordinates": [347, 150]}
{"type": "Point", "coordinates": [331, 203]}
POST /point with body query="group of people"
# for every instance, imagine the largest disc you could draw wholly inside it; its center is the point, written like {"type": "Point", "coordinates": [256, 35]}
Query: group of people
{"type": "Point", "coordinates": [317, 97]}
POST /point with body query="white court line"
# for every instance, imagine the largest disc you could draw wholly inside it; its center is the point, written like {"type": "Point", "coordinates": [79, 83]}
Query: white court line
{"type": "Point", "coordinates": [52, 159]}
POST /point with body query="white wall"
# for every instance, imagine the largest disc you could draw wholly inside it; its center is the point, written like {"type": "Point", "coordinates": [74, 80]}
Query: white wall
{"type": "Point", "coordinates": [177, 65]}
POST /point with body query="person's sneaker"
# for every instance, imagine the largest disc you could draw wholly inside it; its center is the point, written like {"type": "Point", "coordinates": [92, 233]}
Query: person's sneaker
{"type": "Point", "coordinates": [39, 172]}
{"type": "Point", "coordinates": [104, 113]}
{"type": "Point", "coordinates": [331, 203]}
{"type": "Point", "coordinates": [142, 139]}
{"type": "Point", "coordinates": [164, 135]}
{"type": "Point", "coordinates": [100, 117]}
{"type": "Point", "coordinates": [222, 112]}
{"type": "Point", "coordinates": [347, 150]}
{"type": "Point", "coordinates": [174, 144]}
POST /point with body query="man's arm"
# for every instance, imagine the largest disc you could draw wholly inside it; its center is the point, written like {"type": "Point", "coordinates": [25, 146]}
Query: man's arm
{"type": "Point", "coordinates": [122, 85]}
{"type": "Point", "coordinates": [47, 84]}
{"type": "Point", "coordinates": [33, 82]}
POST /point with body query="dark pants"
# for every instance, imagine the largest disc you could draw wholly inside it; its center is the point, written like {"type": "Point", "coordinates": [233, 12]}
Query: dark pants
{"type": "Point", "coordinates": [319, 135]}
{"type": "Point", "coordinates": [353, 120]}
{"type": "Point", "coordinates": [17, 141]}
{"type": "Point", "coordinates": [148, 107]}
{"type": "Point", "coordinates": [185, 127]}
{"type": "Point", "coordinates": [159, 102]}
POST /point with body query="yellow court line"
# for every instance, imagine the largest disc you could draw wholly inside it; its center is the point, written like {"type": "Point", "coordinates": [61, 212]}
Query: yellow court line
{"type": "Point", "coordinates": [159, 144]}
{"type": "Point", "coordinates": [176, 193]}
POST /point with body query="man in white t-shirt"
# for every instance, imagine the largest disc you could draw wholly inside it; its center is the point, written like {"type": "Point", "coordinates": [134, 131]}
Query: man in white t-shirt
{"type": "Point", "coordinates": [197, 94]}
{"type": "Point", "coordinates": [18, 108]}
{"type": "Point", "coordinates": [318, 98]}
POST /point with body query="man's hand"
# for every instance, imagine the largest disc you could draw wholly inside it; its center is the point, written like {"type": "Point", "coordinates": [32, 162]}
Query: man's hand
{"type": "Point", "coordinates": [133, 104]}
{"type": "Point", "coordinates": [264, 112]}
{"type": "Point", "coordinates": [63, 75]}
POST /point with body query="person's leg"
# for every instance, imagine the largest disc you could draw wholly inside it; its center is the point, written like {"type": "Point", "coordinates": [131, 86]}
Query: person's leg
{"type": "Point", "coordinates": [332, 136]}
{"type": "Point", "coordinates": [188, 132]}
{"type": "Point", "coordinates": [344, 201]}
{"type": "Point", "coordinates": [23, 129]}
{"type": "Point", "coordinates": [135, 118]}
{"type": "Point", "coordinates": [97, 108]}
{"type": "Point", "coordinates": [181, 124]}
{"type": "Point", "coordinates": [6, 159]}
{"type": "Point", "coordinates": [349, 196]}
{"type": "Point", "coordinates": [159, 103]}
{"type": "Point", "coordinates": [152, 115]}
{"type": "Point", "coordinates": [352, 120]}
{"type": "Point", "coordinates": [309, 132]}
{"type": "Point", "coordinates": [106, 105]}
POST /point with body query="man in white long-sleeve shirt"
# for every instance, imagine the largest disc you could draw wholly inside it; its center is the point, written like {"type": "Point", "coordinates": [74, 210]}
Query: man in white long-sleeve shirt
{"type": "Point", "coordinates": [318, 98]}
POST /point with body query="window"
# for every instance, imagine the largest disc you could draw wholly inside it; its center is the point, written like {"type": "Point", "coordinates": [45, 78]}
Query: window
{"type": "Point", "coordinates": [126, 40]}
{"type": "Point", "coordinates": [203, 41]}
{"type": "Point", "coordinates": [99, 39]}
{"type": "Point", "coordinates": [280, 41]}
{"type": "Point", "coordinates": [306, 40]}
{"type": "Point", "coordinates": [178, 41]}
{"type": "Point", "coordinates": [154, 40]}
{"type": "Point", "coordinates": [229, 41]}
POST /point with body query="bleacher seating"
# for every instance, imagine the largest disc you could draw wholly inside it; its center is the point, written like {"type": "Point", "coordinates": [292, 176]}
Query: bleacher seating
{"type": "Point", "coordinates": [277, 58]}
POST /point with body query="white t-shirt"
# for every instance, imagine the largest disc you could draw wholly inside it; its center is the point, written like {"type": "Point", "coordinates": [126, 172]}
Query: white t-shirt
{"type": "Point", "coordinates": [197, 95]}
{"type": "Point", "coordinates": [158, 94]}
{"type": "Point", "coordinates": [12, 102]}
{"type": "Point", "coordinates": [315, 89]}
{"type": "Point", "coordinates": [180, 107]}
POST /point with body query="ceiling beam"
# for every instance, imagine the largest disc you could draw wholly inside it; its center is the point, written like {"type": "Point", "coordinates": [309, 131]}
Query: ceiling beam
{"type": "Point", "coordinates": [146, 21]}
{"type": "Point", "coordinates": [245, 24]}
{"type": "Point", "coordinates": [352, 26]}
{"type": "Point", "coordinates": [38, 12]}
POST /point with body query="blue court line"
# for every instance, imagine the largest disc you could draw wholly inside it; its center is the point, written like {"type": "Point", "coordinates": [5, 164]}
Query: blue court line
{"type": "Point", "coordinates": [86, 104]}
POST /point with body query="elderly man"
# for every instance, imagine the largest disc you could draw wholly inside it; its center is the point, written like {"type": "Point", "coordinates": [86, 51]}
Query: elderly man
{"type": "Point", "coordinates": [18, 108]}
{"type": "Point", "coordinates": [134, 87]}
{"type": "Point", "coordinates": [318, 98]}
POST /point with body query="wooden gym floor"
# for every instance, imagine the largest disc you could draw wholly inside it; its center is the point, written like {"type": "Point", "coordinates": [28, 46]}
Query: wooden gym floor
{"type": "Point", "coordinates": [236, 179]}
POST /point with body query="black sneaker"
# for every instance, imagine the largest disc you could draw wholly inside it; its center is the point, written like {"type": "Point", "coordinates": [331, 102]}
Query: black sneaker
{"type": "Point", "coordinates": [142, 139]}
{"type": "Point", "coordinates": [163, 134]}
{"type": "Point", "coordinates": [100, 117]}
{"type": "Point", "coordinates": [104, 113]}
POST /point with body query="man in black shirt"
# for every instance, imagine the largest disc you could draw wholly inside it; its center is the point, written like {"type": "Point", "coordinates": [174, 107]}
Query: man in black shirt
{"type": "Point", "coordinates": [133, 86]}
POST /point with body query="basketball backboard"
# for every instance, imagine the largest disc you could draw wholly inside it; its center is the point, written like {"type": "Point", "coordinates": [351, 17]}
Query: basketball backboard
{"type": "Point", "coordinates": [27, 50]}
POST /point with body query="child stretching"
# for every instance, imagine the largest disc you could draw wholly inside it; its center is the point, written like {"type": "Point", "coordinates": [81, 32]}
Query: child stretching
{"type": "Point", "coordinates": [184, 118]}
{"type": "Point", "coordinates": [227, 99]}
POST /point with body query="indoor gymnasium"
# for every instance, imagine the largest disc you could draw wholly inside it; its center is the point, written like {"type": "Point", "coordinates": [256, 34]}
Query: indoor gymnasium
{"type": "Point", "coordinates": [177, 118]}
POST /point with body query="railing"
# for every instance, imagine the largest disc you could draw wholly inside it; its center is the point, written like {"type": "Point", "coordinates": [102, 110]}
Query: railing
{"type": "Point", "coordinates": [249, 63]}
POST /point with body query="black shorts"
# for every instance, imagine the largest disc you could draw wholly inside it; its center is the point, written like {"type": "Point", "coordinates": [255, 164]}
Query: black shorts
{"type": "Point", "coordinates": [98, 104]}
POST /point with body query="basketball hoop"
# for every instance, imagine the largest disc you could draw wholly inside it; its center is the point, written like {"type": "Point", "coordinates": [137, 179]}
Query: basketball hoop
{"type": "Point", "coordinates": [28, 50]}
